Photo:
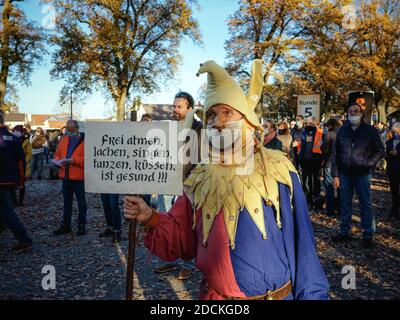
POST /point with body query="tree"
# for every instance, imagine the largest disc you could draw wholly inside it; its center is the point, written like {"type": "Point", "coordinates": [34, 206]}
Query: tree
{"type": "Point", "coordinates": [362, 57]}
{"type": "Point", "coordinates": [119, 46]}
{"type": "Point", "coordinates": [21, 47]}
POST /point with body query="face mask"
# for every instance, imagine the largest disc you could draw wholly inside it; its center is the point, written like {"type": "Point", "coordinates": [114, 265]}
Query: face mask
{"type": "Point", "coordinates": [282, 132]}
{"type": "Point", "coordinates": [355, 120]}
{"type": "Point", "coordinates": [225, 138]}
{"type": "Point", "coordinates": [299, 124]}
{"type": "Point", "coordinates": [17, 134]}
{"type": "Point", "coordinates": [266, 130]}
{"type": "Point", "coordinates": [72, 134]}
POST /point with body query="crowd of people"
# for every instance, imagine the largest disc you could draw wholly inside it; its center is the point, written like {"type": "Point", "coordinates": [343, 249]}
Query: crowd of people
{"type": "Point", "coordinates": [334, 158]}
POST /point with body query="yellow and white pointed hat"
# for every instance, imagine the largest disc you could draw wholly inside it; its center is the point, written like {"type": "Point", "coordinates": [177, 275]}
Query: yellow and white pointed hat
{"type": "Point", "coordinates": [223, 89]}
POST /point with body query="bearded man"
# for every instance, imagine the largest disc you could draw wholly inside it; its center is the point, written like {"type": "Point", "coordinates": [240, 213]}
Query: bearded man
{"type": "Point", "coordinates": [243, 216]}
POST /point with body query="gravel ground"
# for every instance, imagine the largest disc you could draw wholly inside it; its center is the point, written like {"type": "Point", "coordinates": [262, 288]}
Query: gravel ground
{"type": "Point", "coordinates": [92, 268]}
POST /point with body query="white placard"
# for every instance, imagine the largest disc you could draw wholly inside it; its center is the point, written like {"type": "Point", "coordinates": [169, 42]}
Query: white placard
{"type": "Point", "coordinates": [132, 158]}
{"type": "Point", "coordinates": [309, 106]}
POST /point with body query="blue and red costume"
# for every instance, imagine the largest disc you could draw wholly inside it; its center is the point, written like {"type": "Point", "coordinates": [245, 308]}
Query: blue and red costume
{"type": "Point", "coordinates": [255, 266]}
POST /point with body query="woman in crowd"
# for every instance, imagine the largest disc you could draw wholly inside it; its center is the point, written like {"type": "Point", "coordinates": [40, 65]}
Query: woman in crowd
{"type": "Point", "coordinates": [271, 140]}
{"type": "Point", "coordinates": [286, 138]}
{"type": "Point", "coordinates": [39, 142]}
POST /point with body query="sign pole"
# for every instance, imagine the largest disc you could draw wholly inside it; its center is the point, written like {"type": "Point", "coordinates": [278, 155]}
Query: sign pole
{"type": "Point", "coordinates": [130, 267]}
{"type": "Point", "coordinates": [130, 263]}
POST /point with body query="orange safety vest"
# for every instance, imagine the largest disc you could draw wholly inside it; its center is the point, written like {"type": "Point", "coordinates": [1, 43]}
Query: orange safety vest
{"type": "Point", "coordinates": [318, 141]}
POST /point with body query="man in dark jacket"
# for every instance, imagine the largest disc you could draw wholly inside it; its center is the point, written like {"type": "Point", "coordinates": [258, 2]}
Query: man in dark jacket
{"type": "Point", "coordinates": [12, 175]}
{"type": "Point", "coordinates": [393, 168]}
{"type": "Point", "coordinates": [358, 149]}
{"type": "Point", "coordinates": [297, 133]}
{"type": "Point", "coordinates": [310, 159]}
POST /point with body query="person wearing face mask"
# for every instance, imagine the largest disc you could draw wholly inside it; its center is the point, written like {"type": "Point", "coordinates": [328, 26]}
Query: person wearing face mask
{"type": "Point", "coordinates": [243, 215]}
{"type": "Point", "coordinates": [39, 142]}
{"type": "Point", "coordinates": [70, 151]}
{"type": "Point", "coordinates": [310, 159]}
{"type": "Point", "coordinates": [297, 134]}
{"type": "Point", "coordinates": [18, 132]}
{"type": "Point", "coordinates": [358, 149]}
{"type": "Point", "coordinates": [271, 140]}
{"type": "Point", "coordinates": [393, 169]}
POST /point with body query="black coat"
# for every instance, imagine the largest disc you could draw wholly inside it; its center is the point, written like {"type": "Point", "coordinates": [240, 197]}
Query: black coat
{"type": "Point", "coordinates": [357, 152]}
{"type": "Point", "coordinates": [393, 162]}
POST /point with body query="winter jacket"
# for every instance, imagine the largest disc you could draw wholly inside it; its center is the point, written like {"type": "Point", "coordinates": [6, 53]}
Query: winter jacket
{"type": "Point", "coordinates": [357, 152]}
{"type": "Point", "coordinates": [27, 147]}
{"type": "Point", "coordinates": [12, 160]}
{"type": "Point", "coordinates": [393, 162]}
{"type": "Point", "coordinates": [74, 171]}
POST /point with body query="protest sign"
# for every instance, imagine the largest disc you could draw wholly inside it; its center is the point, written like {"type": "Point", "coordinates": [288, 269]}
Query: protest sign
{"type": "Point", "coordinates": [132, 158]}
{"type": "Point", "coordinates": [309, 106]}
{"type": "Point", "coordinates": [365, 99]}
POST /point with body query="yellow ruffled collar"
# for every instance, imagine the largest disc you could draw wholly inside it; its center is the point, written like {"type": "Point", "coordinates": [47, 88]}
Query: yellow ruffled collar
{"type": "Point", "coordinates": [214, 187]}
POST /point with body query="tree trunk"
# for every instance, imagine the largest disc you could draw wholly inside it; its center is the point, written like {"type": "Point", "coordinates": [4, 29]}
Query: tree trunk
{"type": "Point", "coordinates": [381, 107]}
{"type": "Point", "coordinates": [5, 39]}
{"type": "Point", "coordinates": [121, 104]}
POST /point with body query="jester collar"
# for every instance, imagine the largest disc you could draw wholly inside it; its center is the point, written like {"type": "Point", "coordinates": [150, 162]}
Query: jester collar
{"type": "Point", "coordinates": [214, 187]}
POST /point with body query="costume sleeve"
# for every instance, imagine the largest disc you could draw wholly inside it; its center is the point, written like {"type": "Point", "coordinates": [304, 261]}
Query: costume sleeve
{"type": "Point", "coordinates": [310, 280]}
{"type": "Point", "coordinates": [173, 236]}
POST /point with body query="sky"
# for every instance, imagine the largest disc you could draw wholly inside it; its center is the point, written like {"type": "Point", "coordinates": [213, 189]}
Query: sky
{"type": "Point", "coordinates": [43, 93]}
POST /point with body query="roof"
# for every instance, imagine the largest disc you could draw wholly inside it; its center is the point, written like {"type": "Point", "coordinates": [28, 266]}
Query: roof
{"type": "Point", "coordinates": [39, 119]}
{"type": "Point", "coordinates": [15, 117]}
{"type": "Point", "coordinates": [159, 111]}
{"type": "Point", "coordinates": [56, 124]}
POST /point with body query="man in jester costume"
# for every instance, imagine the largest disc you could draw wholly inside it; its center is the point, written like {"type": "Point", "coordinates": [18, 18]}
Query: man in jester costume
{"type": "Point", "coordinates": [243, 215]}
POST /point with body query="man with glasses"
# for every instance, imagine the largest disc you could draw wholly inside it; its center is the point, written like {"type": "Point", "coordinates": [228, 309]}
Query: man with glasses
{"type": "Point", "coordinates": [357, 150]}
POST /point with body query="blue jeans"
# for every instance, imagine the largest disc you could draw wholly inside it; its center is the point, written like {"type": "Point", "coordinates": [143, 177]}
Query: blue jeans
{"type": "Point", "coordinates": [9, 217]}
{"type": "Point", "coordinates": [70, 187]}
{"type": "Point", "coordinates": [330, 198]}
{"type": "Point", "coordinates": [362, 185]}
{"type": "Point", "coordinates": [111, 210]}
{"type": "Point", "coordinates": [37, 164]}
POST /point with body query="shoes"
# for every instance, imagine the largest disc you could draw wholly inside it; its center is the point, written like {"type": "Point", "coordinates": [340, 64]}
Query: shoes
{"type": "Point", "coordinates": [39, 178]}
{"type": "Point", "coordinates": [116, 237]}
{"type": "Point", "coordinates": [81, 231]}
{"type": "Point", "coordinates": [107, 233]}
{"type": "Point", "coordinates": [23, 247]}
{"type": "Point", "coordinates": [64, 229]}
{"type": "Point", "coordinates": [167, 268]}
{"type": "Point", "coordinates": [185, 273]}
{"type": "Point", "coordinates": [341, 238]}
{"type": "Point", "coordinates": [367, 243]}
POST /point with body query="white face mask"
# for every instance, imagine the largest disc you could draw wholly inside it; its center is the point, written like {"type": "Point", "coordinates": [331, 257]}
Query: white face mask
{"type": "Point", "coordinates": [17, 134]}
{"type": "Point", "coordinates": [355, 120]}
{"type": "Point", "coordinates": [299, 124]}
{"type": "Point", "coordinates": [225, 138]}
{"type": "Point", "coordinates": [266, 131]}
